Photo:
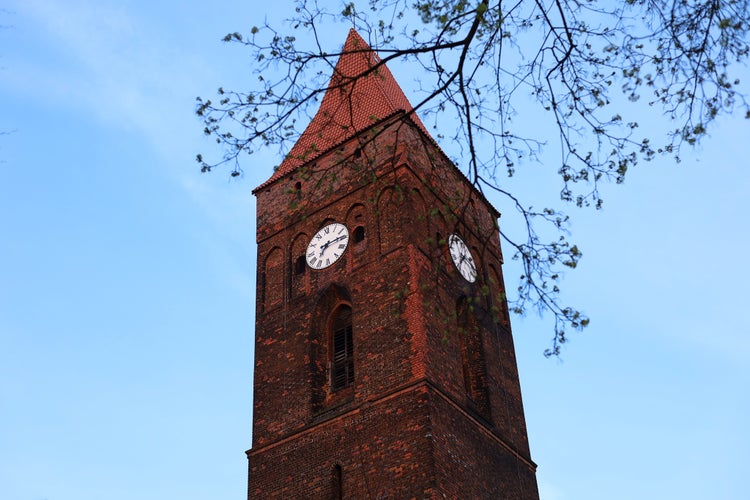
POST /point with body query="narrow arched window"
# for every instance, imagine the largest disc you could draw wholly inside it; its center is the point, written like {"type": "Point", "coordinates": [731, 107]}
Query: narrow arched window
{"type": "Point", "coordinates": [299, 265]}
{"type": "Point", "coordinates": [359, 234]}
{"type": "Point", "coordinates": [342, 349]}
{"type": "Point", "coordinates": [337, 480]}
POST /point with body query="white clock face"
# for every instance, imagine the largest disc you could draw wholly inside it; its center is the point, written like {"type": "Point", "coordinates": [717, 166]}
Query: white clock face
{"type": "Point", "coordinates": [327, 246]}
{"type": "Point", "coordinates": [462, 258]}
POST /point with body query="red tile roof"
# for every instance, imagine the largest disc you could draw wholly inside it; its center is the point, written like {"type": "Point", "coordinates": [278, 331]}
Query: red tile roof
{"type": "Point", "coordinates": [357, 97]}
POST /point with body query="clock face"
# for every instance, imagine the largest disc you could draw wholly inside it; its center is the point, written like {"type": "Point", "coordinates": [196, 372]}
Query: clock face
{"type": "Point", "coordinates": [462, 258]}
{"type": "Point", "coordinates": [327, 246]}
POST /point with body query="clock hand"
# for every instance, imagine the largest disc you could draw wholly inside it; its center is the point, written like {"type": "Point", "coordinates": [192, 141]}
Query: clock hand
{"type": "Point", "coordinates": [325, 245]}
{"type": "Point", "coordinates": [329, 243]}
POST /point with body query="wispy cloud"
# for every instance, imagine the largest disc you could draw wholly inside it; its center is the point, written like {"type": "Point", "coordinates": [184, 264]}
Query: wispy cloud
{"type": "Point", "coordinates": [106, 61]}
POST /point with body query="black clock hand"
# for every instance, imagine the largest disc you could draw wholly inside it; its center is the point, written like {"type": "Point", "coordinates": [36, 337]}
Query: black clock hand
{"type": "Point", "coordinates": [329, 243]}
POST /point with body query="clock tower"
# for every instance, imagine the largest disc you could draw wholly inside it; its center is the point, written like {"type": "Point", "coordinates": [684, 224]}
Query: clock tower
{"type": "Point", "coordinates": [384, 361]}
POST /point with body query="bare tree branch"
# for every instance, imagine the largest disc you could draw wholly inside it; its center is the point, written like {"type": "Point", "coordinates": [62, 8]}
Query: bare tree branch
{"type": "Point", "coordinates": [580, 62]}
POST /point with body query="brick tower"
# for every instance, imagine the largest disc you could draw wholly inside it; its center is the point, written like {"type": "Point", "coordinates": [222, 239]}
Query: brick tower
{"type": "Point", "coordinates": [384, 361]}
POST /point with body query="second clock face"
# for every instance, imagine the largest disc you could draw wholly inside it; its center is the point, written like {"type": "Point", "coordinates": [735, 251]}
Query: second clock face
{"type": "Point", "coordinates": [462, 258]}
{"type": "Point", "coordinates": [327, 246]}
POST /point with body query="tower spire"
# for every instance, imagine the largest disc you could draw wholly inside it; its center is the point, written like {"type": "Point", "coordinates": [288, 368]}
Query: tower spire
{"type": "Point", "coordinates": [361, 92]}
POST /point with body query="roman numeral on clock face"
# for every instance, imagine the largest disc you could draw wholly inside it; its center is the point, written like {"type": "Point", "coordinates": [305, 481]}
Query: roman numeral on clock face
{"type": "Point", "coordinates": [327, 246]}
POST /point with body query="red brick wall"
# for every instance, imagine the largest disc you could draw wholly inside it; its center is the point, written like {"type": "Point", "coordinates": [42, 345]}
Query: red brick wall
{"type": "Point", "coordinates": [383, 447]}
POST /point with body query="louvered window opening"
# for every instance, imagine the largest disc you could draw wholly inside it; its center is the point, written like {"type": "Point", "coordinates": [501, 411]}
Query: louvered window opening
{"type": "Point", "coordinates": [342, 360]}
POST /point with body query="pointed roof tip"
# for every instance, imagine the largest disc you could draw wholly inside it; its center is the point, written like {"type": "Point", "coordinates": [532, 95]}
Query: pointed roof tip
{"type": "Point", "coordinates": [356, 43]}
{"type": "Point", "coordinates": [361, 91]}
{"type": "Point", "coordinates": [354, 38]}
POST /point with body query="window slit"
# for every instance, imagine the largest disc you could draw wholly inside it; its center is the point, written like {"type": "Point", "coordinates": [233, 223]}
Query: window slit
{"type": "Point", "coordinates": [342, 358]}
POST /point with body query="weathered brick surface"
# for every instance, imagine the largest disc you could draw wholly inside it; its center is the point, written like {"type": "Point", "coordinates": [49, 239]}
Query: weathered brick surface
{"type": "Point", "coordinates": [470, 460]}
{"type": "Point", "coordinates": [383, 449]}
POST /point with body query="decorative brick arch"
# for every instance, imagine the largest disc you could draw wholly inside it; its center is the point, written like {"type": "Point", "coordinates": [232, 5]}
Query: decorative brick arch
{"type": "Point", "coordinates": [272, 279]}
{"type": "Point", "coordinates": [389, 210]}
{"type": "Point", "coordinates": [438, 238]}
{"type": "Point", "coordinates": [417, 218]}
{"type": "Point", "coordinates": [499, 302]}
{"type": "Point", "coordinates": [472, 357]}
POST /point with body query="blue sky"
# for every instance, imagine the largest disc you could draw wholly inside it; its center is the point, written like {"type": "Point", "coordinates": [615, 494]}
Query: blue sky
{"type": "Point", "coordinates": [127, 282]}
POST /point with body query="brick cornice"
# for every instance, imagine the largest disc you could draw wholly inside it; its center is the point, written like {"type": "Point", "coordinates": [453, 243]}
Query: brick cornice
{"type": "Point", "coordinates": [382, 398]}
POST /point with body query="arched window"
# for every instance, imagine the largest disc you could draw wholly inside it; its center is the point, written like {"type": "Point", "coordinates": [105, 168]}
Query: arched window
{"type": "Point", "coordinates": [359, 234]}
{"type": "Point", "coordinates": [358, 220]}
{"type": "Point", "coordinates": [332, 312]}
{"type": "Point", "coordinates": [297, 266]}
{"type": "Point", "coordinates": [341, 349]}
